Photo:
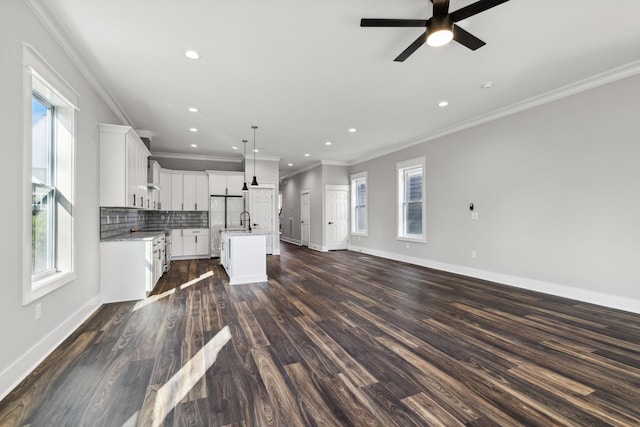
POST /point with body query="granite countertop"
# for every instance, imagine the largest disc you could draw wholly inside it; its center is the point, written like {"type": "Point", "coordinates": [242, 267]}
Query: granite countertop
{"type": "Point", "coordinates": [241, 232]}
{"type": "Point", "coordinates": [134, 236]}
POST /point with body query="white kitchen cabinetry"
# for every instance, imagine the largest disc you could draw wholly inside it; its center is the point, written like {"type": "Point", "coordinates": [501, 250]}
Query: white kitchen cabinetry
{"type": "Point", "coordinates": [190, 243]}
{"type": "Point", "coordinates": [189, 191]}
{"type": "Point", "coordinates": [244, 257]}
{"type": "Point", "coordinates": [177, 249]}
{"type": "Point", "coordinates": [225, 183]}
{"type": "Point", "coordinates": [165, 190]}
{"type": "Point", "coordinates": [129, 269]}
{"type": "Point", "coordinates": [123, 167]}
{"type": "Point", "coordinates": [177, 180]}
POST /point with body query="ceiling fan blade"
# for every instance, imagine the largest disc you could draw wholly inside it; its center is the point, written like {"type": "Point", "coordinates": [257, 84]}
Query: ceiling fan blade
{"type": "Point", "coordinates": [474, 9]}
{"type": "Point", "coordinates": [412, 47]}
{"type": "Point", "coordinates": [467, 39]}
{"type": "Point", "coordinates": [440, 7]}
{"type": "Point", "coordinates": [364, 22]}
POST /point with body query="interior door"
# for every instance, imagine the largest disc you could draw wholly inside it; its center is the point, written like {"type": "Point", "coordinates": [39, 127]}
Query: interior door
{"type": "Point", "coordinates": [305, 218]}
{"type": "Point", "coordinates": [336, 214]}
{"type": "Point", "coordinates": [262, 210]}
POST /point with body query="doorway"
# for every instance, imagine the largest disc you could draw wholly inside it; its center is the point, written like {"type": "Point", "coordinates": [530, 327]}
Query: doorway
{"type": "Point", "coordinates": [262, 211]}
{"type": "Point", "coordinates": [305, 217]}
{"type": "Point", "coordinates": [337, 217]}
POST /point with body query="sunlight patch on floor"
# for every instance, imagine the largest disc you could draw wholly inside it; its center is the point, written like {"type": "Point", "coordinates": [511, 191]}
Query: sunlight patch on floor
{"type": "Point", "coordinates": [171, 393]}
{"type": "Point", "coordinates": [150, 300]}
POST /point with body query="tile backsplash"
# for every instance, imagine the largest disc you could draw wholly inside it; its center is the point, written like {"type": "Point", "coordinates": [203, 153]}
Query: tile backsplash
{"type": "Point", "coordinates": [116, 221]}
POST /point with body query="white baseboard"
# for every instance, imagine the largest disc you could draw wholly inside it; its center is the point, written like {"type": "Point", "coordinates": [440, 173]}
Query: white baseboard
{"type": "Point", "coordinates": [318, 248]}
{"type": "Point", "coordinates": [584, 295]}
{"type": "Point", "coordinates": [291, 240]}
{"type": "Point", "coordinates": [11, 376]}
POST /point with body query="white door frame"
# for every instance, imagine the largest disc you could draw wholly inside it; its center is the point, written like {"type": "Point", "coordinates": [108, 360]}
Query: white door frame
{"type": "Point", "coordinates": [329, 187]}
{"type": "Point", "coordinates": [308, 192]}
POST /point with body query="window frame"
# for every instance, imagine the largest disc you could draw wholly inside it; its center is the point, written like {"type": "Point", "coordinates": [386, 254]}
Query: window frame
{"type": "Point", "coordinates": [401, 172]}
{"type": "Point", "coordinates": [42, 81]}
{"type": "Point", "coordinates": [354, 200]}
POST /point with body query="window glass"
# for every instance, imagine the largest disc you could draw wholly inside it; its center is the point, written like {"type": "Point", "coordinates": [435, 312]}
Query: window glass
{"type": "Point", "coordinates": [411, 203]}
{"type": "Point", "coordinates": [43, 229]}
{"type": "Point", "coordinates": [359, 204]}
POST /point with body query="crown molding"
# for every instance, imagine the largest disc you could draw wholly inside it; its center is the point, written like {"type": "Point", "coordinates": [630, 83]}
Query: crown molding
{"type": "Point", "coordinates": [304, 169]}
{"type": "Point", "coordinates": [335, 163]}
{"type": "Point", "coordinates": [583, 85]}
{"type": "Point", "coordinates": [264, 157]}
{"type": "Point", "coordinates": [180, 156]}
{"type": "Point", "coordinates": [51, 22]}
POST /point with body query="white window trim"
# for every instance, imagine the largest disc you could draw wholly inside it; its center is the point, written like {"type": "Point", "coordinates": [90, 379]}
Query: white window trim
{"type": "Point", "coordinates": [353, 178]}
{"type": "Point", "coordinates": [411, 163]}
{"type": "Point", "coordinates": [36, 69]}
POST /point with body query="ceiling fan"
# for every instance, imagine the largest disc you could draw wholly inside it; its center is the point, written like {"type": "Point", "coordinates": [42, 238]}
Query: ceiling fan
{"type": "Point", "coordinates": [441, 27]}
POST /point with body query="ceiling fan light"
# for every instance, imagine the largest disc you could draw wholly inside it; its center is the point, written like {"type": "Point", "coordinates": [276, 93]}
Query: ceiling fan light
{"type": "Point", "coordinates": [439, 36]}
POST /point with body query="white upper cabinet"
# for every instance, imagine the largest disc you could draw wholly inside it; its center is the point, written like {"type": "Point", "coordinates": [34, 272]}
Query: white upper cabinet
{"type": "Point", "coordinates": [189, 191]}
{"type": "Point", "coordinates": [177, 180]}
{"type": "Point", "coordinates": [165, 190]}
{"type": "Point", "coordinates": [202, 192]}
{"type": "Point", "coordinates": [223, 183]}
{"type": "Point", "coordinates": [123, 167]}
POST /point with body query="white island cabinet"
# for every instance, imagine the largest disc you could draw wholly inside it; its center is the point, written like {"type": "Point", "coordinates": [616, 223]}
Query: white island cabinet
{"type": "Point", "coordinates": [244, 257]}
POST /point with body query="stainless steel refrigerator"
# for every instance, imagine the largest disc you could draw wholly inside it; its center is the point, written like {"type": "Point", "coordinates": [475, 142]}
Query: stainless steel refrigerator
{"type": "Point", "coordinates": [224, 213]}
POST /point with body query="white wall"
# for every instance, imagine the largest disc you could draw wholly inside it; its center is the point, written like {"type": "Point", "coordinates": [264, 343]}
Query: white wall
{"type": "Point", "coordinates": [24, 340]}
{"type": "Point", "coordinates": [557, 190]}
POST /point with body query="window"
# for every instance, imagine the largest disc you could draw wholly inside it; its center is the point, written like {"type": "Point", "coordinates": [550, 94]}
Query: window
{"type": "Point", "coordinates": [359, 204]}
{"type": "Point", "coordinates": [43, 190]}
{"type": "Point", "coordinates": [411, 203]}
{"type": "Point", "coordinates": [49, 152]}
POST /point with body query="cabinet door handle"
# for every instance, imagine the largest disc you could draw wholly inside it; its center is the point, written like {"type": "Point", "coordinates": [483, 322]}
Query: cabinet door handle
{"type": "Point", "coordinates": [196, 206]}
{"type": "Point", "coordinates": [183, 206]}
{"type": "Point", "coordinates": [134, 200]}
{"type": "Point", "coordinates": [196, 239]}
{"type": "Point", "coordinates": [330, 222]}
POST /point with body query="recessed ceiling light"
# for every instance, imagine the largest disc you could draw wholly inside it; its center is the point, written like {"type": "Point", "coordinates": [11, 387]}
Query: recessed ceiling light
{"type": "Point", "coordinates": [290, 164]}
{"type": "Point", "coordinates": [193, 109]}
{"type": "Point", "coordinates": [194, 145]}
{"type": "Point", "coordinates": [192, 54]}
{"type": "Point", "coordinates": [307, 154]}
{"type": "Point", "coordinates": [486, 85]}
{"type": "Point", "coordinates": [234, 147]}
{"type": "Point", "coordinates": [193, 129]}
{"type": "Point", "coordinates": [443, 103]}
{"type": "Point", "coordinates": [327, 143]}
{"type": "Point", "coordinates": [352, 130]}
{"type": "Point", "coordinates": [256, 150]}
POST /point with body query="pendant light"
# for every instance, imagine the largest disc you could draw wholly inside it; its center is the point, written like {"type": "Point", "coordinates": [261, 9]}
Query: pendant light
{"type": "Point", "coordinates": [244, 186]}
{"type": "Point", "coordinates": [254, 183]}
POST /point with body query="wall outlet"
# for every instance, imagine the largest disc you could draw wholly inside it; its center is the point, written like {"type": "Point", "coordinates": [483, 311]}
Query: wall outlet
{"type": "Point", "coordinates": [407, 245]}
{"type": "Point", "coordinates": [474, 215]}
{"type": "Point", "coordinates": [108, 219]}
{"type": "Point", "coordinates": [117, 219]}
{"type": "Point", "coordinates": [38, 311]}
{"type": "Point", "coordinates": [474, 255]}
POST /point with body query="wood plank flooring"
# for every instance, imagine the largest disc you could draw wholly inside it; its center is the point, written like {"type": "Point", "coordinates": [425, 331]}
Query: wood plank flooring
{"type": "Point", "coordinates": [338, 339]}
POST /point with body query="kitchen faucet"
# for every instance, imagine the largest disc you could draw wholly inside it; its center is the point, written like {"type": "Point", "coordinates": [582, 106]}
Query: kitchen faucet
{"type": "Point", "coordinates": [242, 218]}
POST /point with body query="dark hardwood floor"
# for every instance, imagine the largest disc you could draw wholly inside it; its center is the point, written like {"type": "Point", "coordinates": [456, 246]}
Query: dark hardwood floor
{"type": "Point", "coordinates": [337, 339]}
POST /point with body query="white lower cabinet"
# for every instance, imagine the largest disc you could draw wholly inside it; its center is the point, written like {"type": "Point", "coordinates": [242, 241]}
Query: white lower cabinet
{"type": "Point", "coordinates": [129, 269]}
{"type": "Point", "coordinates": [190, 243]}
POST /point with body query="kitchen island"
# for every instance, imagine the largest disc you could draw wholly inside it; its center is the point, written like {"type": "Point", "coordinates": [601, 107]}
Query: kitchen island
{"type": "Point", "coordinates": [244, 255]}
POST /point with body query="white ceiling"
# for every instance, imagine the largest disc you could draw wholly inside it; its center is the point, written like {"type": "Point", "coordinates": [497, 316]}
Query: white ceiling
{"type": "Point", "coordinates": [305, 72]}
